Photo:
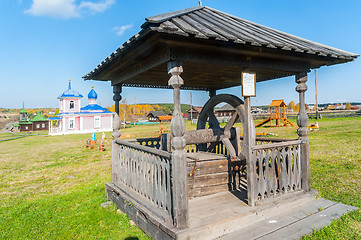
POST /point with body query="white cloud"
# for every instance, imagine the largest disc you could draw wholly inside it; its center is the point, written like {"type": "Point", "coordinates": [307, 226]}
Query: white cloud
{"type": "Point", "coordinates": [54, 8]}
{"type": "Point", "coordinates": [66, 8]}
{"type": "Point", "coordinates": [121, 29]}
{"type": "Point", "coordinates": [96, 7]}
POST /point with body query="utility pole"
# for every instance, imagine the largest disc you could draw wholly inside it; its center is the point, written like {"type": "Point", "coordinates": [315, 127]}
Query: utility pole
{"type": "Point", "coordinates": [191, 109]}
{"type": "Point", "coordinates": [134, 110]}
{"type": "Point", "coordinates": [316, 106]}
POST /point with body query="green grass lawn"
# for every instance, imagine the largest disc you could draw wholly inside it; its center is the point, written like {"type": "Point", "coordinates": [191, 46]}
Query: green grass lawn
{"type": "Point", "coordinates": [51, 186]}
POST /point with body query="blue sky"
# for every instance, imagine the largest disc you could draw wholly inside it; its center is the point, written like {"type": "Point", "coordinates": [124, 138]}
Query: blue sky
{"type": "Point", "coordinates": [45, 42]}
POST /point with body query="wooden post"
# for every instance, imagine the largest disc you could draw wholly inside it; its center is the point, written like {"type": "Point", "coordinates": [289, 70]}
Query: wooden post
{"type": "Point", "coordinates": [316, 105]}
{"type": "Point", "coordinates": [302, 122]}
{"type": "Point", "coordinates": [117, 89]}
{"type": "Point", "coordinates": [134, 111]}
{"type": "Point", "coordinates": [249, 141]}
{"type": "Point", "coordinates": [179, 160]}
{"type": "Point", "coordinates": [212, 93]}
{"type": "Point", "coordinates": [191, 108]}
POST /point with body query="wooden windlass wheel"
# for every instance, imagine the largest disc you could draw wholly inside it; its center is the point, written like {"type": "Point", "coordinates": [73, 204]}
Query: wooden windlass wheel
{"type": "Point", "coordinates": [228, 132]}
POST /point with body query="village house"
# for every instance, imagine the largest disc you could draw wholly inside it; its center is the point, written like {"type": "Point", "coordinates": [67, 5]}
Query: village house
{"type": "Point", "coordinates": [153, 116]}
{"type": "Point", "coordinates": [38, 123]}
{"type": "Point", "coordinates": [224, 113]}
{"type": "Point", "coordinates": [194, 112]}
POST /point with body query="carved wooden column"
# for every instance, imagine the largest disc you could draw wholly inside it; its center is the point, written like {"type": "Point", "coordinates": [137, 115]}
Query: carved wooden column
{"type": "Point", "coordinates": [117, 89]}
{"type": "Point", "coordinates": [212, 93]}
{"type": "Point", "coordinates": [179, 160]}
{"type": "Point", "coordinates": [302, 122]}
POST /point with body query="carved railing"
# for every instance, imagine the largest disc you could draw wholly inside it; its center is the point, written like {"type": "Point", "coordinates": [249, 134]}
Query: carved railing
{"type": "Point", "coordinates": [267, 140]}
{"type": "Point", "coordinates": [277, 168]}
{"type": "Point", "coordinates": [191, 148]}
{"type": "Point", "coordinates": [145, 174]}
{"type": "Point", "coordinates": [221, 149]}
{"type": "Point", "coordinates": [148, 142]}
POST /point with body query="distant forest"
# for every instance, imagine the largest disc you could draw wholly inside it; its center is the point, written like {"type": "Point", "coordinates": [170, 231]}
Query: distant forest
{"type": "Point", "coordinates": [165, 107]}
{"type": "Point", "coordinates": [31, 111]}
{"type": "Point", "coordinates": [319, 105]}
{"type": "Point", "coordinates": [169, 107]}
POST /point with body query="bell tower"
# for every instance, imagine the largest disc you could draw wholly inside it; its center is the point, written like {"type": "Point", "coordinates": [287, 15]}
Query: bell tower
{"type": "Point", "coordinates": [23, 115]}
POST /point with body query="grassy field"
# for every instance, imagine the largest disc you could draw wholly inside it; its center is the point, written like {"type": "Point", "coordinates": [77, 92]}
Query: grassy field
{"type": "Point", "coordinates": [52, 187]}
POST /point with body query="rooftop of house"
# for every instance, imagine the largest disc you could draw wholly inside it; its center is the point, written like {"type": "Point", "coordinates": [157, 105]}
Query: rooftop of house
{"type": "Point", "coordinates": [195, 109]}
{"type": "Point", "coordinates": [225, 107]}
{"type": "Point", "coordinates": [157, 113]}
{"type": "Point", "coordinates": [39, 118]}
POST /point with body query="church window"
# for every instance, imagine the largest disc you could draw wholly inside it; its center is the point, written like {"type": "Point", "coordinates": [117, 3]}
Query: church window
{"type": "Point", "coordinates": [71, 105]}
{"type": "Point", "coordinates": [71, 123]}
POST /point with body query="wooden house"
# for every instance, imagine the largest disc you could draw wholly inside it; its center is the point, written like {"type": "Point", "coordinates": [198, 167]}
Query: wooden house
{"type": "Point", "coordinates": [224, 113]}
{"type": "Point", "coordinates": [25, 124]}
{"type": "Point", "coordinates": [193, 113]}
{"type": "Point", "coordinates": [153, 116]}
{"type": "Point", "coordinates": [210, 182]}
{"type": "Point", "coordinates": [40, 122]}
{"type": "Point", "coordinates": [225, 110]}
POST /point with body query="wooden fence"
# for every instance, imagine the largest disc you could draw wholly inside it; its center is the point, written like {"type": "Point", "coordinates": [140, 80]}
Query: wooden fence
{"type": "Point", "coordinates": [277, 167]}
{"type": "Point", "coordinates": [145, 173]}
{"type": "Point", "coordinates": [148, 142]}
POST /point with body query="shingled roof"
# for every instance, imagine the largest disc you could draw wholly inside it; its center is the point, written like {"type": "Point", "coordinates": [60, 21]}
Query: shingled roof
{"type": "Point", "coordinates": [206, 24]}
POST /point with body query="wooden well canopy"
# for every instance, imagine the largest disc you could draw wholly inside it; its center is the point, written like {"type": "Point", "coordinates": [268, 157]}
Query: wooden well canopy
{"type": "Point", "coordinates": [210, 50]}
{"type": "Point", "coordinates": [215, 48]}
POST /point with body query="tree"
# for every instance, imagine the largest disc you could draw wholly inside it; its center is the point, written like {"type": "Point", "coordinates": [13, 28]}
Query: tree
{"type": "Point", "coordinates": [297, 107]}
{"type": "Point", "coordinates": [292, 106]}
{"type": "Point", "coordinates": [348, 106]}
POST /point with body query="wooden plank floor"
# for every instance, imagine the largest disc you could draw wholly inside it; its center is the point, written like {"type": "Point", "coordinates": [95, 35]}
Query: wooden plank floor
{"type": "Point", "coordinates": [226, 216]}
{"type": "Point", "coordinates": [301, 221]}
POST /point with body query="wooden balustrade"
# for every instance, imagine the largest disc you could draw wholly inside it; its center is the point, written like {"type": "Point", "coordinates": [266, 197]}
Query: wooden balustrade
{"type": "Point", "coordinates": [148, 142]}
{"type": "Point", "coordinates": [277, 168]}
{"type": "Point", "coordinates": [145, 170]}
{"type": "Point", "coordinates": [145, 173]}
{"type": "Point", "coordinates": [190, 148]}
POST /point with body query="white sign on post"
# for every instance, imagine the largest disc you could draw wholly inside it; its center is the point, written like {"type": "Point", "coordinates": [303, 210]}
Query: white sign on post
{"type": "Point", "coordinates": [248, 84]}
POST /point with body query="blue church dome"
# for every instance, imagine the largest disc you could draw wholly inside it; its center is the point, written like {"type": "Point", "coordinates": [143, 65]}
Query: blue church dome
{"type": "Point", "coordinates": [92, 94]}
{"type": "Point", "coordinates": [70, 93]}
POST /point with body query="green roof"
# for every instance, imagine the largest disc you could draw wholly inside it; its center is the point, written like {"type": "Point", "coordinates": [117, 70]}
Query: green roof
{"type": "Point", "coordinates": [16, 124]}
{"type": "Point", "coordinates": [22, 123]}
{"type": "Point", "coordinates": [39, 118]}
{"type": "Point", "coordinates": [23, 110]}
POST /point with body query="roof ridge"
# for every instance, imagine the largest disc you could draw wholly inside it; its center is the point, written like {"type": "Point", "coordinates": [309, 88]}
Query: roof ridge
{"type": "Point", "coordinates": [166, 16]}
{"type": "Point", "coordinates": [287, 34]}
